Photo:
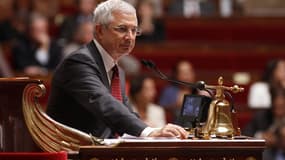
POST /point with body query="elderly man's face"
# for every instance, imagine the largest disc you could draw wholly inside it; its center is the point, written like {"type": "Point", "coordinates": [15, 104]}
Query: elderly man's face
{"type": "Point", "coordinates": [118, 37]}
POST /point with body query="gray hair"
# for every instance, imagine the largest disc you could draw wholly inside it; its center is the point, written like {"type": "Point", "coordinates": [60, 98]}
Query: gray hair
{"type": "Point", "coordinates": [103, 12]}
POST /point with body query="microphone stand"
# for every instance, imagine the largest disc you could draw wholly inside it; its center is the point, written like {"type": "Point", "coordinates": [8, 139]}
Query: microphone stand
{"type": "Point", "coordinates": [200, 85]}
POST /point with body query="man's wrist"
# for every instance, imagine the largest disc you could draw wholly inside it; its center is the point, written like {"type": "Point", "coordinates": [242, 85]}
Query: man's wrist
{"type": "Point", "coordinates": [147, 131]}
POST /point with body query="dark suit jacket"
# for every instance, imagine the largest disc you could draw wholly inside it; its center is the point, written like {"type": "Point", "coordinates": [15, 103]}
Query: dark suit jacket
{"type": "Point", "coordinates": [80, 97]}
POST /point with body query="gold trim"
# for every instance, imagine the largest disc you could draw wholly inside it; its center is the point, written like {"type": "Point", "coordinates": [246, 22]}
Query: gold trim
{"type": "Point", "coordinates": [49, 135]}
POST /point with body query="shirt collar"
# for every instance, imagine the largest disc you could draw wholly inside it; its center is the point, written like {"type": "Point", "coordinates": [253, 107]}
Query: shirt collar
{"type": "Point", "coordinates": [109, 62]}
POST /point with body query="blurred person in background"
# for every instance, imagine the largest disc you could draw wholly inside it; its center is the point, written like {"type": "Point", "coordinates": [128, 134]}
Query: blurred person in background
{"type": "Point", "coordinates": [132, 68]}
{"type": "Point", "coordinates": [84, 14]}
{"type": "Point", "coordinates": [83, 34]}
{"type": "Point", "coordinates": [172, 96]}
{"type": "Point", "coordinates": [6, 7]}
{"type": "Point", "coordinates": [265, 122]}
{"type": "Point", "coordinates": [152, 28]}
{"type": "Point", "coordinates": [259, 92]}
{"type": "Point", "coordinates": [142, 95]}
{"type": "Point", "coordinates": [13, 19]}
{"type": "Point", "coordinates": [37, 54]}
{"type": "Point", "coordinates": [5, 70]}
{"type": "Point", "coordinates": [48, 8]}
{"type": "Point", "coordinates": [6, 36]}
{"type": "Point", "coordinates": [158, 6]}
{"type": "Point", "coordinates": [277, 152]}
{"type": "Point", "coordinates": [192, 8]}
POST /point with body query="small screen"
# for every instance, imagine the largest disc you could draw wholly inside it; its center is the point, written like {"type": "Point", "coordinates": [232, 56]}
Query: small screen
{"type": "Point", "coordinates": [191, 106]}
{"type": "Point", "coordinates": [195, 108]}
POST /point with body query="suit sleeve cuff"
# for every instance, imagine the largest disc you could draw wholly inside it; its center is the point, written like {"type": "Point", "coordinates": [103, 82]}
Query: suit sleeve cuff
{"type": "Point", "coordinates": [147, 131]}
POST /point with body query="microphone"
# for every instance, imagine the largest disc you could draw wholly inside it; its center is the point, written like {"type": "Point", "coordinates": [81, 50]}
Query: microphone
{"type": "Point", "coordinates": [150, 65]}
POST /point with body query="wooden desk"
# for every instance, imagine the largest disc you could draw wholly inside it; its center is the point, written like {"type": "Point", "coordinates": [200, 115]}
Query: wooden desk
{"type": "Point", "coordinates": [177, 150]}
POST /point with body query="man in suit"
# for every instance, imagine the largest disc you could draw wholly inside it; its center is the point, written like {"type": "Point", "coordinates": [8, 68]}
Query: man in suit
{"type": "Point", "coordinates": [37, 53]}
{"type": "Point", "coordinates": [81, 87]}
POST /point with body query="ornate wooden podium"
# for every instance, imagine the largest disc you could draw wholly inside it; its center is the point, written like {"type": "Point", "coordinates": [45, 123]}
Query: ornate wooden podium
{"type": "Point", "coordinates": [163, 149]}
{"type": "Point", "coordinates": [14, 135]}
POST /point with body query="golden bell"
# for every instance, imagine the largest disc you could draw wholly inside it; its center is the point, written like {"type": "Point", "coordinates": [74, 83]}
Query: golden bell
{"type": "Point", "coordinates": [219, 122]}
{"type": "Point", "coordinates": [223, 125]}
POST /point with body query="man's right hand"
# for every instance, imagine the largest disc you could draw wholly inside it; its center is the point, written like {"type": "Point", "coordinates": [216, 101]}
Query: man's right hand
{"type": "Point", "coordinates": [170, 130]}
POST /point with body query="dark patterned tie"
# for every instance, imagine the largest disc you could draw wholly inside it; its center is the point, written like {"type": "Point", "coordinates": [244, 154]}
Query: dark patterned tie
{"type": "Point", "coordinates": [115, 84]}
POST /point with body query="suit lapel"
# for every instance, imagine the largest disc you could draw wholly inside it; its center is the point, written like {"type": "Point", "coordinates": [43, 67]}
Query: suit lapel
{"type": "Point", "coordinates": [123, 88]}
{"type": "Point", "coordinates": [122, 82]}
{"type": "Point", "coordinates": [98, 59]}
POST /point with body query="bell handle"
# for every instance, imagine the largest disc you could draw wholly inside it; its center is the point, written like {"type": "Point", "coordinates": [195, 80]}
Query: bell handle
{"type": "Point", "coordinates": [234, 89]}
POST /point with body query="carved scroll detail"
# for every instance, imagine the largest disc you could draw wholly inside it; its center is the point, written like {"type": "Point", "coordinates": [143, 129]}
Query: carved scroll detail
{"type": "Point", "coordinates": [48, 134]}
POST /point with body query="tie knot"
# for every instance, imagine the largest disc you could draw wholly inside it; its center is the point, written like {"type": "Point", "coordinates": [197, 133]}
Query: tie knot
{"type": "Point", "coordinates": [115, 70]}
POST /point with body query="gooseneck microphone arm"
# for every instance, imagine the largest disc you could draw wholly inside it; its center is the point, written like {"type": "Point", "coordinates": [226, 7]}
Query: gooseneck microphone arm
{"type": "Point", "coordinates": [198, 85]}
{"type": "Point", "coordinates": [149, 64]}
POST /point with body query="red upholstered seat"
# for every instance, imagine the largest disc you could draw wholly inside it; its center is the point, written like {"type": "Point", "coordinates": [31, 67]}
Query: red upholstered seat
{"type": "Point", "coordinates": [33, 156]}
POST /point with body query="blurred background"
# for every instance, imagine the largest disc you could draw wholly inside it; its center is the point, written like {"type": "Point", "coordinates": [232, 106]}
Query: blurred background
{"type": "Point", "coordinates": [236, 39]}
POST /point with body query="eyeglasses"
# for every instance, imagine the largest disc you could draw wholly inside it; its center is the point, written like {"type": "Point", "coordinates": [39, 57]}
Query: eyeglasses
{"type": "Point", "coordinates": [125, 30]}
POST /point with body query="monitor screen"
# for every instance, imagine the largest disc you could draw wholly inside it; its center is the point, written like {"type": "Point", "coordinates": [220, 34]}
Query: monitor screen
{"type": "Point", "coordinates": [194, 109]}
